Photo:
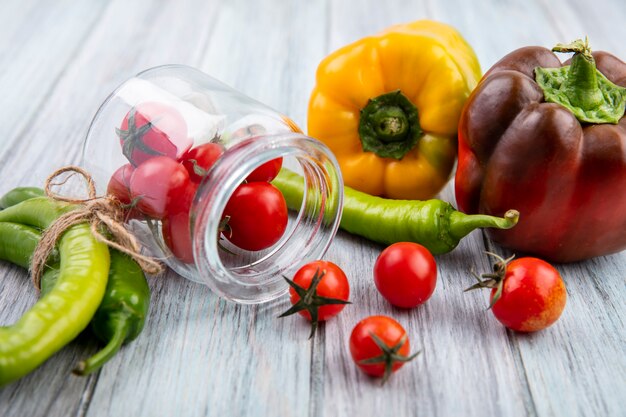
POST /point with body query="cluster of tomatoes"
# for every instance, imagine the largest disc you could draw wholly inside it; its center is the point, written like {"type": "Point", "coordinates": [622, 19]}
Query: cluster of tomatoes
{"type": "Point", "coordinates": [527, 295]}
{"type": "Point", "coordinates": [405, 274]}
{"type": "Point", "coordinates": [164, 173]}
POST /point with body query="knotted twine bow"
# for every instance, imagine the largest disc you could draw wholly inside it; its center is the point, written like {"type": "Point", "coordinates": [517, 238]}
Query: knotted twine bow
{"type": "Point", "coordinates": [97, 211]}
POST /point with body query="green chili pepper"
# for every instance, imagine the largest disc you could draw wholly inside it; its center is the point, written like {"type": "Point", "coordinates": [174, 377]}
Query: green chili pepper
{"type": "Point", "coordinates": [39, 212]}
{"type": "Point", "coordinates": [59, 316]}
{"type": "Point", "coordinates": [49, 279]}
{"type": "Point", "coordinates": [18, 242]}
{"type": "Point", "coordinates": [17, 245]}
{"type": "Point", "coordinates": [19, 194]}
{"type": "Point", "coordinates": [434, 224]}
{"type": "Point", "coordinates": [122, 312]}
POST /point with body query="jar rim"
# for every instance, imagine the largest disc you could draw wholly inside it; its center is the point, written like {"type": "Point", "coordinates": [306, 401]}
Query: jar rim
{"type": "Point", "coordinates": [313, 229]}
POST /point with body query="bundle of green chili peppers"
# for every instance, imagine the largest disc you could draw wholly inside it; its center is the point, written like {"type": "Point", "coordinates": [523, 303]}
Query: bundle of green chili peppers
{"type": "Point", "coordinates": [84, 282]}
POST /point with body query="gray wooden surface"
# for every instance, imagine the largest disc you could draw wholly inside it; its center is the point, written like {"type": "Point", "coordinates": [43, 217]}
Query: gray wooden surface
{"type": "Point", "coordinates": [199, 355]}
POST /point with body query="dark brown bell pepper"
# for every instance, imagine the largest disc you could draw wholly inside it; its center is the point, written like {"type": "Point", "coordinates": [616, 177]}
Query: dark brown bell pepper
{"type": "Point", "coordinates": [549, 140]}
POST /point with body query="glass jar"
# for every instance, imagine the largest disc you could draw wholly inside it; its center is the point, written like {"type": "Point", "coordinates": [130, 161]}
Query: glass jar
{"type": "Point", "coordinates": [164, 113]}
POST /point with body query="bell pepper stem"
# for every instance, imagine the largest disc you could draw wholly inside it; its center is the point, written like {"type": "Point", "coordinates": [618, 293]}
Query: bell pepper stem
{"type": "Point", "coordinates": [101, 357]}
{"type": "Point", "coordinates": [462, 224]}
{"type": "Point", "coordinates": [581, 88]}
{"type": "Point", "coordinates": [581, 85]}
{"type": "Point", "coordinates": [389, 125]}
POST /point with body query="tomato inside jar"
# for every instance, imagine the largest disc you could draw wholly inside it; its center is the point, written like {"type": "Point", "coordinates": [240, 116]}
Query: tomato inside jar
{"type": "Point", "coordinates": [153, 129]}
{"type": "Point", "coordinates": [192, 161]}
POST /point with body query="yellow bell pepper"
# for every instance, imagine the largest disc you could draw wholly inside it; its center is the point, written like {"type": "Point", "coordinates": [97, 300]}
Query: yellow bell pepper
{"type": "Point", "coordinates": [388, 106]}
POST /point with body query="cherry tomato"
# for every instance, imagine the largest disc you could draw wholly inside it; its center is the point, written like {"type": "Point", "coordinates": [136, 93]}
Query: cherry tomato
{"type": "Point", "coordinates": [319, 291]}
{"type": "Point", "coordinates": [157, 184]}
{"type": "Point", "coordinates": [119, 184]}
{"type": "Point", "coordinates": [175, 226]}
{"type": "Point", "coordinates": [379, 346]}
{"type": "Point", "coordinates": [119, 187]}
{"type": "Point", "coordinates": [266, 172]}
{"type": "Point", "coordinates": [256, 216]}
{"type": "Point", "coordinates": [405, 274]}
{"type": "Point", "coordinates": [204, 157]}
{"type": "Point", "coordinates": [153, 129]}
{"type": "Point", "coordinates": [333, 284]}
{"type": "Point", "coordinates": [533, 295]}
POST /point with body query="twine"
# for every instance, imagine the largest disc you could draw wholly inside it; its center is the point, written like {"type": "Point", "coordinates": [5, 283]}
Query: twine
{"type": "Point", "coordinates": [97, 211]}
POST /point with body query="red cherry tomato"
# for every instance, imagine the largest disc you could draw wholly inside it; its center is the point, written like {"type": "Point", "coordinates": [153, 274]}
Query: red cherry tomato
{"type": "Point", "coordinates": [256, 216]}
{"type": "Point", "coordinates": [266, 172]}
{"type": "Point", "coordinates": [176, 228]}
{"type": "Point", "coordinates": [157, 184]}
{"type": "Point", "coordinates": [372, 343]}
{"type": "Point", "coordinates": [204, 157]}
{"type": "Point", "coordinates": [119, 187]}
{"type": "Point", "coordinates": [533, 295]}
{"type": "Point", "coordinates": [319, 291]}
{"type": "Point", "coordinates": [153, 129]}
{"type": "Point", "coordinates": [119, 184]}
{"type": "Point", "coordinates": [333, 284]}
{"type": "Point", "coordinates": [405, 274]}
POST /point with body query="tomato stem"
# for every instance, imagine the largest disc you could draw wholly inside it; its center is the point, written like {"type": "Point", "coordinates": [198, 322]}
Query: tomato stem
{"type": "Point", "coordinates": [389, 355]}
{"type": "Point", "coordinates": [132, 137]}
{"type": "Point", "coordinates": [197, 169]}
{"type": "Point", "coordinates": [492, 280]}
{"type": "Point", "coordinates": [225, 227]}
{"type": "Point", "coordinates": [310, 301]}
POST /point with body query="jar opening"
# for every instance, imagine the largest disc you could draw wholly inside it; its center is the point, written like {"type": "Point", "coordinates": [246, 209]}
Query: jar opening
{"type": "Point", "coordinates": [257, 276]}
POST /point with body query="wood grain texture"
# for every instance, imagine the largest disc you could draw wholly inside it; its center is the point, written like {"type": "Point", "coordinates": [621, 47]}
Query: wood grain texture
{"type": "Point", "coordinates": [37, 39]}
{"type": "Point", "coordinates": [223, 359]}
{"type": "Point", "coordinates": [201, 356]}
